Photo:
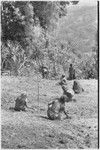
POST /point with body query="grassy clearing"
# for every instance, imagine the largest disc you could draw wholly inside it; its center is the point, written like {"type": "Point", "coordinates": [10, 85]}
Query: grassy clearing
{"type": "Point", "coordinates": [33, 129]}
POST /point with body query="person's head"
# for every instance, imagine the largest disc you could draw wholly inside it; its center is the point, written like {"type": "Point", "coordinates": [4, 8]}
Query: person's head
{"type": "Point", "coordinates": [63, 99]}
{"type": "Point", "coordinates": [63, 76]}
{"type": "Point", "coordinates": [24, 96]}
{"type": "Point", "coordinates": [70, 65]}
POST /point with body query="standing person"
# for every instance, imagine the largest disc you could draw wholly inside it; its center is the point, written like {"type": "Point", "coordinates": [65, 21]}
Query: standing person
{"type": "Point", "coordinates": [71, 72]}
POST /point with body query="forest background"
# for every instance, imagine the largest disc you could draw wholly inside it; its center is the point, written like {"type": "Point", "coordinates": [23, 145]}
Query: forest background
{"type": "Point", "coordinates": [51, 34]}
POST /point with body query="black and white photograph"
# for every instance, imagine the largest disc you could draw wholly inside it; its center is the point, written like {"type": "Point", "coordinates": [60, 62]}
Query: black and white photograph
{"type": "Point", "coordinates": [49, 74]}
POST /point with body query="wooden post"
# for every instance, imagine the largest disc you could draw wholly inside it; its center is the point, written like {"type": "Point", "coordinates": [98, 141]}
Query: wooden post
{"type": "Point", "coordinates": [38, 97]}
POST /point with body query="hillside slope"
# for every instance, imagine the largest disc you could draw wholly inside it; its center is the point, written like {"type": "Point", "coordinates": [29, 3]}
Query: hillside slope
{"type": "Point", "coordinates": [79, 27]}
{"type": "Point", "coordinates": [32, 129]}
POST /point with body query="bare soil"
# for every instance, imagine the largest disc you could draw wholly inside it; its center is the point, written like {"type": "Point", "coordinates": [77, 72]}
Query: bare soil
{"type": "Point", "coordinates": [33, 130]}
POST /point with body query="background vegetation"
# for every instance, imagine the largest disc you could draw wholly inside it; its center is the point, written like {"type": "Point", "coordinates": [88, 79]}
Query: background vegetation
{"type": "Point", "coordinates": [52, 34]}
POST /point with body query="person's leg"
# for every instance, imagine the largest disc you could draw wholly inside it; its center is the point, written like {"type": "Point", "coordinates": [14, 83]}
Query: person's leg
{"type": "Point", "coordinates": [68, 117]}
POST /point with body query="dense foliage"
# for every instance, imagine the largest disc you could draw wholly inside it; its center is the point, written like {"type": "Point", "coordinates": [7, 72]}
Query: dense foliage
{"type": "Point", "coordinates": [28, 38]}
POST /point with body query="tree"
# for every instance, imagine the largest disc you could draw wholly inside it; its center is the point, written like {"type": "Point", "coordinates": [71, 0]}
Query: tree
{"type": "Point", "coordinates": [11, 23]}
{"type": "Point", "coordinates": [27, 24]}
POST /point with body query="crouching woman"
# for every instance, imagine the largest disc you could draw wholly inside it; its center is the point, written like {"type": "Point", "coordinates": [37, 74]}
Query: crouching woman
{"type": "Point", "coordinates": [21, 103]}
{"type": "Point", "coordinates": [56, 108]}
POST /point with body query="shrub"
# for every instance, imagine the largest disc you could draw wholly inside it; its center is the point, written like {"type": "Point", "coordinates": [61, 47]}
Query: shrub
{"type": "Point", "coordinates": [88, 67]}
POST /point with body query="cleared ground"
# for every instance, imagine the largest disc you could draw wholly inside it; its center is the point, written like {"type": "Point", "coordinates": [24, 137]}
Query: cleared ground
{"type": "Point", "coordinates": [34, 130]}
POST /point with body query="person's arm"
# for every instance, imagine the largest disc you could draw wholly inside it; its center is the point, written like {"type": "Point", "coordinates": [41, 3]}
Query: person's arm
{"type": "Point", "coordinates": [26, 104]}
{"type": "Point", "coordinates": [66, 113]}
{"type": "Point", "coordinates": [64, 81]}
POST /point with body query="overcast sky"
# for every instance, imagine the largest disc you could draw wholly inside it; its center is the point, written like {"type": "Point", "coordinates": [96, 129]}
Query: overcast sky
{"type": "Point", "coordinates": [87, 2]}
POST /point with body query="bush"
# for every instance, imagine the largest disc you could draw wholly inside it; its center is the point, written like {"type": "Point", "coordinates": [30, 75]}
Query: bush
{"type": "Point", "coordinates": [88, 68]}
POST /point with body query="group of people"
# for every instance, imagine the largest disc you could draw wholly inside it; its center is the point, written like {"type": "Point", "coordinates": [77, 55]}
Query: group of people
{"type": "Point", "coordinates": [45, 72]}
{"type": "Point", "coordinates": [57, 107]}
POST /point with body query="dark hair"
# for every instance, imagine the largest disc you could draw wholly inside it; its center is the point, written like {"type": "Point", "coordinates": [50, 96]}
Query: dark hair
{"type": "Point", "coordinates": [63, 75]}
{"type": "Point", "coordinates": [63, 99]}
{"type": "Point", "coordinates": [23, 95]}
{"type": "Point", "coordinates": [71, 65]}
